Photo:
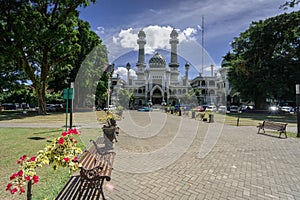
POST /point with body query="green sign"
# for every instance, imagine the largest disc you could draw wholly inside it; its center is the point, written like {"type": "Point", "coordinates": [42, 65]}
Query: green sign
{"type": "Point", "coordinates": [68, 93]}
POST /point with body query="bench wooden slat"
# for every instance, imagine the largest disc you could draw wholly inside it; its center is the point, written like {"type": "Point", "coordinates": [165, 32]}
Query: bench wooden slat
{"type": "Point", "coordinates": [97, 166]}
{"type": "Point", "coordinates": [277, 126]}
{"type": "Point", "coordinates": [72, 191]}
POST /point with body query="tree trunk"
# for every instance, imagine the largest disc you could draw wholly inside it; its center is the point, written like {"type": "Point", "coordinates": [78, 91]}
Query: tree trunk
{"type": "Point", "coordinates": [260, 102]}
{"type": "Point", "coordinates": [40, 95]}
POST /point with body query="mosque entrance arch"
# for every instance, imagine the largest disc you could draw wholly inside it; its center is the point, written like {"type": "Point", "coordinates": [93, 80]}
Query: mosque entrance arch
{"type": "Point", "coordinates": [156, 95]}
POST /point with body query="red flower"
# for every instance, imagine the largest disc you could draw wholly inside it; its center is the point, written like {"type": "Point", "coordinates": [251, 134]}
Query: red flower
{"type": "Point", "coordinates": [32, 159]}
{"type": "Point", "coordinates": [22, 190]}
{"type": "Point", "coordinates": [21, 159]}
{"type": "Point", "coordinates": [66, 159]}
{"type": "Point", "coordinates": [73, 131]}
{"type": "Point", "coordinates": [61, 141]}
{"type": "Point", "coordinates": [64, 134]}
{"type": "Point", "coordinates": [27, 178]}
{"type": "Point", "coordinates": [75, 159]}
{"type": "Point", "coordinates": [20, 173]}
{"type": "Point", "coordinates": [13, 190]}
{"type": "Point", "coordinates": [8, 186]}
{"type": "Point", "coordinates": [35, 179]}
{"type": "Point", "coordinates": [13, 176]}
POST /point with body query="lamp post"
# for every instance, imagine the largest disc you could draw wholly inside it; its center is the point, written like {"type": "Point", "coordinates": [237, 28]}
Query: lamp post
{"type": "Point", "coordinates": [298, 112]}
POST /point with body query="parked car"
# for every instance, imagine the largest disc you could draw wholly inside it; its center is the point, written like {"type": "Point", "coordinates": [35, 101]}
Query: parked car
{"type": "Point", "coordinates": [211, 108]}
{"type": "Point", "coordinates": [222, 109]}
{"type": "Point", "coordinates": [99, 108]}
{"type": "Point", "coordinates": [50, 108]}
{"type": "Point", "coordinates": [287, 109]}
{"type": "Point", "coordinates": [144, 109]}
{"type": "Point", "coordinates": [199, 109]}
{"type": "Point", "coordinates": [9, 106]}
{"type": "Point", "coordinates": [274, 109]}
{"type": "Point", "coordinates": [234, 108]}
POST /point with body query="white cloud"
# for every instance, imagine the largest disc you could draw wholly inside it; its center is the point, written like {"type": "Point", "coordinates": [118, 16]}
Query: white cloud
{"type": "Point", "coordinates": [157, 37]}
{"type": "Point", "coordinates": [122, 72]}
{"type": "Point", "coordinates": [100, 30]}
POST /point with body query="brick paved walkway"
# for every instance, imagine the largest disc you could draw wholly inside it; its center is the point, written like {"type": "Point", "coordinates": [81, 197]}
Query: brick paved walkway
{"type": "Point", "coordinates": [242, 164]}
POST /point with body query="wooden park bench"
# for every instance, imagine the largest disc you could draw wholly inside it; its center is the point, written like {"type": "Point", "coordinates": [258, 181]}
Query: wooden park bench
{"type": "Point", "coordinates": [277, 126]}
{"type": "Point", "coordinates": [97, 165]}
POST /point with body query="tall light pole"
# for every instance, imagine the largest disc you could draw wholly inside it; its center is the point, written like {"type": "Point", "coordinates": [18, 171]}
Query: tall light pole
{"type": "Point", "coordinates": [298, 112]}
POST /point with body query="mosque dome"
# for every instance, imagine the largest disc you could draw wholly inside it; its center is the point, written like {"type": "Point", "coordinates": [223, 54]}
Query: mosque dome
{"type": "Point", "coordinates": [157, 61]}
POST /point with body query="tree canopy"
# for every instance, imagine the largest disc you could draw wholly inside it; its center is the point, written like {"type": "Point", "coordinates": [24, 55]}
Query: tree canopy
{"type": "Point", "coordinates": [44, 39]}
{"type": "Point", "coordinates": [265, 60]}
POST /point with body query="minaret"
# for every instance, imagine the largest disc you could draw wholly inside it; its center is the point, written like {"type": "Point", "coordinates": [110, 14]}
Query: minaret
{"type": "Point", "coordinates": [141, 42]}
{"type": "Point", "coordinates": [141, 65]}
{"type": "Point", "coordinates": [128, 73]}
{"type": "Point", "coordinates": [174, 41]}
{"type": "Point", "coordinates": [187, 67]}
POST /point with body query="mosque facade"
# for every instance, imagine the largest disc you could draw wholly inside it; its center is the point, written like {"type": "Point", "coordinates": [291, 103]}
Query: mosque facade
{"type": "Point", "coordinates": [159, 83]}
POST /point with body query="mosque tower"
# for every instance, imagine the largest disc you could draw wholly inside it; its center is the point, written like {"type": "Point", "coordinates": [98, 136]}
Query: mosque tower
{"type": "Point", "coordinates": [141, 65]}
{"type": "Point", "coordinates": [174, 61]}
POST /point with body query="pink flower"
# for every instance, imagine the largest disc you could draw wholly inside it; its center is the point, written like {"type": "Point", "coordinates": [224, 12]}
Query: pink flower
{"type": "Point", "coordinates": [13, 176]}
{"type": "Point", "coordinates": [66, 159]}
{"type": "Point", "coordinates": [20, 173]}
{"type": "Point", "coordinates": [32, 159]}
{"type": "Point", "coordinates": [21, 159]}
{"type": "Point", "coordinates": [12, 191]}
{"type": "Point", "coordinates": [8, 186]}
{"type": "Point", "coordinates": [61, 141]}
{"type": "Point", "coordinates": [35, 179]}
{"type": "Point", "coordinates": [27, 178]}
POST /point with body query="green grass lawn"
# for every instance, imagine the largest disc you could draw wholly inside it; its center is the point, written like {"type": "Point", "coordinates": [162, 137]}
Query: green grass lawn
{"type": "Point", "coordinates": [16, 142]}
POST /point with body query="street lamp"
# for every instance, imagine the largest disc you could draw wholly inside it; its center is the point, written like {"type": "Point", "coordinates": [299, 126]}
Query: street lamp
{"type": "Point", "coordinates": [298, 112]}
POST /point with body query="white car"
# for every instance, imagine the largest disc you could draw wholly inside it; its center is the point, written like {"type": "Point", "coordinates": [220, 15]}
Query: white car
{"type": "Point", "coordinates": [287, 109]}
{"type": "Point", "coordinates": [222, 109]}
{"type": "Point", "coordinates": [211, 108]}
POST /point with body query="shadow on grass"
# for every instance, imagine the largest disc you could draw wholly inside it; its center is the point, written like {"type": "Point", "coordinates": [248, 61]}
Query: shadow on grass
{"type": "Point", "coordinates": [262, 116]}
{"type": "Point", "coordinates": [18, 114]}
{"type": "Point", "coordinates": [52, 131]}
{"type": "Point", "coordinates": [36, 138]}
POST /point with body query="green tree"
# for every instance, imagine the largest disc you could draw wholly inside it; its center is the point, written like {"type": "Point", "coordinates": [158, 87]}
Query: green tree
{"type": "Point", "coordinates": [265, 60]}
{"type": "Point", "coordinates": [40, 37]}
{"type": "Point", "coordinates": [126, 98]}
{"type": "Point", "coordinates": [291, 4]}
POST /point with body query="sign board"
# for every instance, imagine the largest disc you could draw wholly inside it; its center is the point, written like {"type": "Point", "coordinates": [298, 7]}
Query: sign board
{"type": "Point", "coordinates": [68, 93]}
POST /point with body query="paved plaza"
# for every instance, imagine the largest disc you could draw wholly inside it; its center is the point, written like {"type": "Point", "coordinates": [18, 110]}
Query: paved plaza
{"type": "Point", "coordinates": [241, 165]}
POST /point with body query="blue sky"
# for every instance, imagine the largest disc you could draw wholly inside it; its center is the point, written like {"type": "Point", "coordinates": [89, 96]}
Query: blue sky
{"type": "Point", "coordinates": [118, 21]}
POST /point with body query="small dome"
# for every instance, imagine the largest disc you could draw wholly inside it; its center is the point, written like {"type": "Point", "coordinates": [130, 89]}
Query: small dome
{"type": "Point", "coordinates": [157, 61]}
{"type": "Point", "coordinates": [174, 34]}
{"type": "Point", "coordinates": [141, 34]}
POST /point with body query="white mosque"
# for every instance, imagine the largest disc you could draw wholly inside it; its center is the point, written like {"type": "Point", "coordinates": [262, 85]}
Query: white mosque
{"type": "Point", "coordinates": [159, 83]}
